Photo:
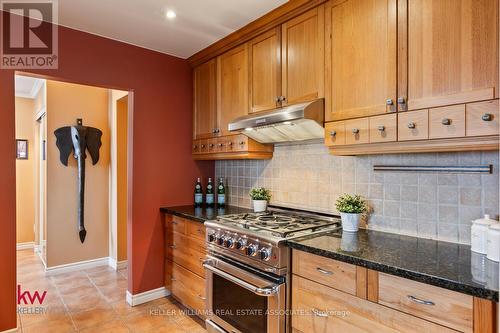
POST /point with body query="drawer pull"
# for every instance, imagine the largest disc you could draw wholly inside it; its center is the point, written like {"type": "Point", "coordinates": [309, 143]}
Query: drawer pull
{"type": "Point", "coordinates": [420, 301]}
{"type": "Point", "coordinates": [173, 246]}
{"type": "Point", "coordinates": [381, 128]}
{"type": "Point", "coordinates": [211, 145]}
{"type": "Point", "coordinates": [172, 279]}
{"type": "Point", "coordinates": [401, 100]}
{"type": "Point", "coordinates": [411, 125]}
{"type": "Point", "coordinates": [324, 271]}
{"type": "Point", "coordinates": [242, 143]}
{"type": "Point", "coordinates": [175, 223]}
{"type": "Point", "coordinates": [446, 121]}
{"type": "Point", "coordinates": [355, 130]}
{"type": "Point", "coordinates": [389, 102]}
{"type": "Point", "coordinates": [333, 133]}
{"type": "Point", "coordinates": [195, 146]}
{"type": "Point", "coordinates": [202, 146]}
{"type": "Point", "coordinates": [201, 297]}
{"type": "Point", "coordinates": [487, 117]}
{"type": "Point", "coordinates": [319, 313]}
{"type": "Point", "coordinates": [220, 145]}
{"type": "Point", "coordinates": [230, 143]}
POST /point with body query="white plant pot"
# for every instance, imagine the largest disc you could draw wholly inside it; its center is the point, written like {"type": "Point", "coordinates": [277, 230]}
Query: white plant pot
{"type": "Point", "coordinates": [259, 206]}
{"type": "Point", "coordinates": [350, 222]}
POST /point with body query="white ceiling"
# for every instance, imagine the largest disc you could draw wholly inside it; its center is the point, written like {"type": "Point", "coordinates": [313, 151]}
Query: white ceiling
{"type": "Point", "coordinates": [198, 24]}
{"type": "Point", "coordinates": [26, 86]}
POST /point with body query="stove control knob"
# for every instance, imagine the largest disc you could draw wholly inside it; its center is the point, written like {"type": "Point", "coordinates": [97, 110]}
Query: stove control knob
{"type": "Point", "coordinates": [240, 244]}
{"type": "Point", "coordinates": [211, 238]}
{"type": "Point", "coordinates": [265, 254]}
{"type": "Point", "coordinates": [220, 240]}
{"type": "Point", "coordinates": [229, 242]}
{"type": "Point", "coordinates": [251, 250]}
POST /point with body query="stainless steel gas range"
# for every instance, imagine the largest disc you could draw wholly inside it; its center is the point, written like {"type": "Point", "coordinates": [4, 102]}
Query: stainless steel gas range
{"type": "Point", "coordinates": [247, 267]}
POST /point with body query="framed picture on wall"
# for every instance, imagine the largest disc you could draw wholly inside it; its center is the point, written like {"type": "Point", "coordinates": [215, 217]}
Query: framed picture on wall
{"type": "Point", "coordinates": [21, 149]}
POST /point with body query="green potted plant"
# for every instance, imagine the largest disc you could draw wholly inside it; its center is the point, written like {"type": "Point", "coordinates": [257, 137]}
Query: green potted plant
{"type": "Point", "coordinates": [350, 207]}
{"type": "Point", "coordinates": [260, 197]}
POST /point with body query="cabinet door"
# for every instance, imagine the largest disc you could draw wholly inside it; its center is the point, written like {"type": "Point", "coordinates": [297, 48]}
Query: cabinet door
{"type": "Point", "coordinates": [360, 58]}
{"type": "Point", "coordinates": [205, 100]}
{"type": "Point", "coordinates": [232, 82]}
{"type": "Point", "coordinates": [303, 63]}
{"type": "Point", "coordinates": [265, 71]}
{"type": "Point", "coordinates": [452, 52]}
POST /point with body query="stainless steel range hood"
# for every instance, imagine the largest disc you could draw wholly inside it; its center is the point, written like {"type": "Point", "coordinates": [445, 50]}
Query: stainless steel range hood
{"type": "Point", "coordinates": [297, 122]}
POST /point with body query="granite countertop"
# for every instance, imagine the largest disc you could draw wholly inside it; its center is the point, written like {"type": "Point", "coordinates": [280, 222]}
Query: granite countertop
{"type": "Point", "coordinates": [447, 265]}
{"type": "Point", "coordinates": [202, 214]}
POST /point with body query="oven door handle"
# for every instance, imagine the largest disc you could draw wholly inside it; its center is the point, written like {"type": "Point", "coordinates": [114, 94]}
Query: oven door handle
{"type": "Point", "coordinates": [264, 291]}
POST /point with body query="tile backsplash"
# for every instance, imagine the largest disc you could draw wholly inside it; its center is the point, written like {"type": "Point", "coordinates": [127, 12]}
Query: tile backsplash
{"type": "Point", "coordinates": [429, 205]}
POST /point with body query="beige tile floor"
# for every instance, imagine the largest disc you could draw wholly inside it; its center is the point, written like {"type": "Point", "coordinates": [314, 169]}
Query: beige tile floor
{"type": "Point", "coordinates": [93, 300]}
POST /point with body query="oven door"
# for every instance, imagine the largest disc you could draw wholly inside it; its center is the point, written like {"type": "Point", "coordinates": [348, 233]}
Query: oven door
{"type": "Point", "coordinates": [241, 299]}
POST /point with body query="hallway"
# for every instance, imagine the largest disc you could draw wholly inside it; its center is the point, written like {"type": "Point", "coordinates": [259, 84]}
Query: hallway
{"type": "Point", "coordinates": [91, 300]}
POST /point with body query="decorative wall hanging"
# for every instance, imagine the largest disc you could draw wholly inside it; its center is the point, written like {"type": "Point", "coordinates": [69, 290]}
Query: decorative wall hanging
{"type": "Point", "coordinates": [78, 139]}
{"type": "Point", "coordinates": [22, 149]}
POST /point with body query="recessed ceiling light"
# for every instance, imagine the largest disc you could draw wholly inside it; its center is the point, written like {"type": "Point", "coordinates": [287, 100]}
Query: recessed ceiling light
{"type": "Point", "coordinates": [170, 14]}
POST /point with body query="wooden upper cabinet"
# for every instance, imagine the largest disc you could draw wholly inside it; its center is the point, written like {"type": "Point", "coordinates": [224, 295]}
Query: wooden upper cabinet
{"type": "Point", "coordinates": [361, 60]}
{"type": "Point", "coordinates": [232, 84]}
{"type": "Point", "coordinates": [265, 71]}
{"type": "Point", "coordinates": [452, 52]}
{"type": "Point", "coordinates": [303, 57]}
{"type": "Point", "coordinates": [205, 100]}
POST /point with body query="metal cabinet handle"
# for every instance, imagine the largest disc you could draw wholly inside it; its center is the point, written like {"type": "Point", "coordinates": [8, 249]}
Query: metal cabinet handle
{"type": "Point", "coordinates": [242, 143]}
{"type": "Point", "coordinates": [381, 128]}
{"type": "Point", "coordinates": [487, 117]}
{"type": "Point", "coordinates": [174, 223]}
{"type": "Point", "coordinates": [202, 146]}
{"type": "Point", "coordinates": [355, 131]}
{"type": "Point", "coordinates": [319, 313]}
{"type": "Point", "coordinates": [201, 297]}
{"type": "Point", "coordinates": [389, 102]}
{"type": "Point", "coordinates": [172, 279]}
{"type": "Point", "coordinates": [217, 131]}
{"type": "Point", "coordinates": [401, 100]}
{"type": "Point", "coordinates": [211, 145]}
{"type": "Point", "coordinates": [446, 121]}
{"type": "Point", "coordinates": [411, 125]}
{"type": "Point", "coordinates": [283, 98]}
{"type": "Point", "coordinates": [333, 133]}
{"type": "Point", "coordinates": [195, 146]}
{"type": "Point", "coordinates": [324, 271]}
{"type": "Point", "coordinates": [420, 301]}
{"type": "Point", "coordinates": [220, 145]}
{"type": "Point", "coordinates": [173, 246]}
{"type": "Point", "coordinates": [230, 143]}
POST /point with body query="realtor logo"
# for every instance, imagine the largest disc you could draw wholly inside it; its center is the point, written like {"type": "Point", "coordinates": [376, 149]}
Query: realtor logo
{"type": "Point", "coordinates": [29, 34]}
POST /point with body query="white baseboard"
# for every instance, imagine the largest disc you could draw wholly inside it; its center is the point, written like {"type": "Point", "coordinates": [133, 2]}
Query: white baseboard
{"type": "Point", "coordinates": [77, 266]}
{"type": "Point", "coordinates": [116, 265]}
{"type": "Point", "coordinates": [146, 296]}
{"type": "Point", "coordinates": [25, 246]}
{"type": "Point", "coordinates": [10, 331]}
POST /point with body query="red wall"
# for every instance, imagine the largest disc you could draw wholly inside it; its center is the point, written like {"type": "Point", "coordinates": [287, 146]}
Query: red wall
{"type": "Point", "coordinates": [163, 171]}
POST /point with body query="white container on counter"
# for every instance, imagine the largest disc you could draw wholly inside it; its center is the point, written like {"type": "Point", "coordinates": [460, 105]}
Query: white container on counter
{"type": "Point", "coordinates": [479, 234]}
{"type": "Point", "coordinates": [493, 247]}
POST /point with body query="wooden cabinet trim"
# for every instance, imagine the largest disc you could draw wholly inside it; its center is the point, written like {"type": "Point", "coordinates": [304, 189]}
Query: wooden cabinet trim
{"type": "Point", "coordinates": [485, 316]}
{"type": "Point", "coordinates": [361, 282]}
{"type": "Point", "coordinates": [372, 285]}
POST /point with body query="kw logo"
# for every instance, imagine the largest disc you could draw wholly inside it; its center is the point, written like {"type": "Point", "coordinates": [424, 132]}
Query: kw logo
{"type": "Point", "coordinates": [29, 298]}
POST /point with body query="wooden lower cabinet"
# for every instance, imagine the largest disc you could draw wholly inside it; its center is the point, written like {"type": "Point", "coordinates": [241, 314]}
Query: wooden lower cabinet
{"type": "Point", "coordinates": [319, 309]}
{"type": "Point", "coordinates": [332, 296]}
{"type": "Point", "coordinates": [231, 147]}
{"type": "Point", "coordinates": [185, 251]}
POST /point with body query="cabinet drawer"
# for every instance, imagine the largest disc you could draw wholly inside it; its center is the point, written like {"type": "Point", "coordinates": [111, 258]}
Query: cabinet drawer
{"type": "Point", "coordinates": [197, 230]}
{"type": "Point", "coordinates": [333, 273]}
{"type": "Point", "coordinates": [435, 304]}
{"type": "Point", "coordinates": [220, 145]}
{"type": "Point", "coordinates": [447, 122]}
{"type": "Point", "coordinates": [178, 225]}
{"type": "Point", "coordinates": [188, 288]}
{"type": "Point", "coordinates": [240, 143]}
{"type": "Point", "coordinates": [212, 145]}
{"type": "Point", "coordinates": [196, 147]}
{"type": "Point", "coordinates": [203, 146]}
{"type": "Point", "coordinates": [383, 128]}
{"type": "Point", "coordinates": [319, 309]}
{"type": "Point", "coordinates": [476, 125]}
{"type": "Point", "coordinates": [357, 131]}
{"type": "Point", "coordinates": [335, 133]}
{"type": "Point", "coordinates": [413, 125]}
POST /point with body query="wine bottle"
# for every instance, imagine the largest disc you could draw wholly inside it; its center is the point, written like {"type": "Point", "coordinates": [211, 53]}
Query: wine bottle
{"type": "Point", "coordinates": [198, 194]}
{"type": "Point", "coordinates": [209, 197]}
{"type": "Point", "coordinates": [221, 193]}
